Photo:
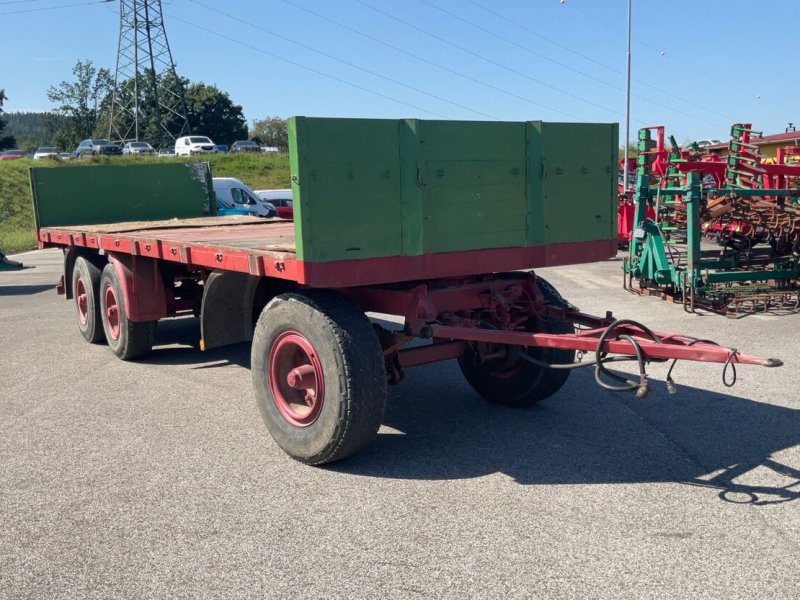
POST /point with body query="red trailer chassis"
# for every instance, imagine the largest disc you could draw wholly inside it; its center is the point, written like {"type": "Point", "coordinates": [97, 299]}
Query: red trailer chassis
{"type": "Point", "coordinates": [514, 336]}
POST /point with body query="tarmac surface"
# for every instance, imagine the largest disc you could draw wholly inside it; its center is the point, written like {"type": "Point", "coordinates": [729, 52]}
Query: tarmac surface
{"type": "Point", "coordinates": [157, 479]}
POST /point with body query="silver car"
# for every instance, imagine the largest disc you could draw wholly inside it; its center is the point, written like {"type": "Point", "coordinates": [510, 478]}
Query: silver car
{"type": "Point", "coordinates": [138, 148]}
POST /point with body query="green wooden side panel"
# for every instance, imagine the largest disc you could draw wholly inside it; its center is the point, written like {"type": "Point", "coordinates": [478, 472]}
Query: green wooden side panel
{"type": "Point", "coordinates": [369, 188]}
{"type": "Point", "coordinates": [346, 185]}
{"type": "Point", "coordinates": [579, 171]}
{"type": "Point", "coordinates": [92, 195]}
{"type": "Point", "coordinates": [472, 181]}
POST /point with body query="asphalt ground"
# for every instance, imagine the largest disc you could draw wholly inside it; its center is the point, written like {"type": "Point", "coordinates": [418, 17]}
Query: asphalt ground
{"type": "Point", "coordinates": [157, 479]}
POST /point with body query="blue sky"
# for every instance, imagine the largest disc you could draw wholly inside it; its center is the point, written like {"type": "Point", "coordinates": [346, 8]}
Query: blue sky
{"type": "Point", "coordinates": [698, 65]}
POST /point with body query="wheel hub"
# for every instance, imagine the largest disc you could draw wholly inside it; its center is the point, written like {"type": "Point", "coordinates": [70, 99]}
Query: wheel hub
{"type": "Point", "coordinates": [82, 302]}
{"type": "Point", "coordinates": [296, 379]}
{"type": "Point", "coordinates": [112, 312]}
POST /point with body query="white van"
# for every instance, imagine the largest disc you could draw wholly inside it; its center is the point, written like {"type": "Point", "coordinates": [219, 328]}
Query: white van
{"type": "Point", "coordinates": [194, 144]}
{"type": "Point", "coordinates": [232, 192]}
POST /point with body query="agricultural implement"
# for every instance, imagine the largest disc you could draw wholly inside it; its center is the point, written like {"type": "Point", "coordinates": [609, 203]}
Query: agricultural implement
{"type": "Point", "coordinates": [682, 198]}
{"type": "Point", "coordinates": [441, 216]}
{"type": "Point", "coordinates": [6, 264]}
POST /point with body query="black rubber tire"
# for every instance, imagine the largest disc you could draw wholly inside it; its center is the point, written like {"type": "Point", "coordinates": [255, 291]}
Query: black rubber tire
{"type": "Point", "coordinates": [519, 383]}
{"type": "Point", "coordinates": [353, 370]}
{"type": "Point", "coordinates": [135, 339]}
{"type": "Point", "coordinates": [89, 274]}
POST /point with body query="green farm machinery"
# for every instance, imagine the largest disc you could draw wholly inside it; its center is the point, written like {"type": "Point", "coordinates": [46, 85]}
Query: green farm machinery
{"type": "Point", "coordinates": [712, 232]}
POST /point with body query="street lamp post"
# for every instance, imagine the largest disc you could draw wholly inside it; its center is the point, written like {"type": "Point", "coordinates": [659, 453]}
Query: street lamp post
{"type": "Point", "coordinates": [627, 105]}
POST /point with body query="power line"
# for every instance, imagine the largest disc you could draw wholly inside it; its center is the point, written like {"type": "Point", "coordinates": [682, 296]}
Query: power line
{"type": "Point", "coordinates": [19, 2]}
{"type": "Point", "coordinates": [305, 67]}
{"type": "Point", "coordinates": [539, 35]}
{"type": "Point", "coordinates": [599, 63]}
{"type": "Point", "coordinates": [727, 82]}
{"type": "Point", "coordinates": [489, 60]}
{"type": "Point", "coordinates": [515, 44]}
{"type": "Point", "coordinates": [346, 62]}
{"type": "Point", "coordinates": [45, 8]}
{"type": "Point", "coordinates": [435, 64]}
{"type": "Point", "coordinates": [560, 64]}
{"type": "Point", "coordinates": [472, 53]}
{"type": "Point", "coordinates": [431, 62]}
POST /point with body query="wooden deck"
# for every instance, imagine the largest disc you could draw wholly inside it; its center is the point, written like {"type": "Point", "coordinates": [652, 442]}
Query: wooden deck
{"type": "Point", "coordinates": [254, 235]}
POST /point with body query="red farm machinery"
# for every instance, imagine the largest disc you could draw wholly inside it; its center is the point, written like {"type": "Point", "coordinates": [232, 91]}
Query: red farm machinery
{"type": "Point", "coordinates": [712, 231]}
{"type": "Point", "coordinates": [445, 221]}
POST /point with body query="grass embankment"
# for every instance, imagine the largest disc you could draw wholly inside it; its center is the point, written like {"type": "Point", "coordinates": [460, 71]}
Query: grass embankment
{"type": "Point", "coordinates": [17, 232]}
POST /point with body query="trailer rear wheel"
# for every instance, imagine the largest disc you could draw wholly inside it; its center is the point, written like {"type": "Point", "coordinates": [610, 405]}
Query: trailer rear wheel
{"type": "Point", "coordinates": [127, 339]}
{"type": "Point", "coordinates": [85, 290]}
{"type": "Point", "coordinates": [318, 376]}
{"type": "Point", "coordinates": [512, 381]}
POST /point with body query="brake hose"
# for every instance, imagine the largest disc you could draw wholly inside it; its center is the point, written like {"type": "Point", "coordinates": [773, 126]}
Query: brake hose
{"type": "Point", "coordinates": [642, 387]}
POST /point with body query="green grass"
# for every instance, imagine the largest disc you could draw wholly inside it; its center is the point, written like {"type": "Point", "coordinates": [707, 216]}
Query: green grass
{"type": "Point", "coordinates": [17, 231]}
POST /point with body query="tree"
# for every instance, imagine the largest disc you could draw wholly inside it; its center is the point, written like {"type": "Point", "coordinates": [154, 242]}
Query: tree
{"type": "Point", "coordinates": [156, 124]}
{"type": "Point", "coordinates": [5, 141]}
{"type": "Point", "coordinates": [32, 129]}
{"type": "Point", "coordinates": [271, 132]}
{"type": "Point", "coordinates": [211, 112]}
{"type": "Point", "coordinates": [79, 102]}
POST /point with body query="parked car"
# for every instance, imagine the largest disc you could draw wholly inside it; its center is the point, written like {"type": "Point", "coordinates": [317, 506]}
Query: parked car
{"type": "Point", "coordinates": [12, 154]}
{"type": "Point", "coordinates": [233, 192]}
{"type": "Point", "coordinates": [245, 146]}
{"type": "Point", "coordinates": [194, 144]}
{"type": "Point", "coordinates": [270, 149]}
{"type": "Point", "coordinates": [224, 209]}
{"type": "Point", "coordinates": [166, 151]}
{"type": "Point", "coordinates": [45, 152]}
{"type": "Point", "coordinates": [94, 147]}
{"type": "Point", "coordinates": [66, 155]}
{"type": "Point", "coordinates": [281, 200]}
{"type": "Point", "coordinates": [222, 148]}
{"type": "Point", "coordinates": [138, 148]}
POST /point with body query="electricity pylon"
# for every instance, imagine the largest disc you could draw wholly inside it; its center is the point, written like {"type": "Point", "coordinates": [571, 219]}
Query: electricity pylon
{"type": "Point", "coordinates": [148, 94]}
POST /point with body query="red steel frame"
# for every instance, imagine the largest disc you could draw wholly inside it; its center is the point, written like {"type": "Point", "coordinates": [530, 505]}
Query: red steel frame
{"type": "Point", "coordinates": [445, 303]}
{"type": "Point", "coordinates": [334, 274]}
{"type": "Point", "coordinates": [442, 308]}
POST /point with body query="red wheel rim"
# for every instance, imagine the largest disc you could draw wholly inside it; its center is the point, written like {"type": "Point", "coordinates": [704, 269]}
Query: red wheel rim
{"type": "Point", "coordinates": [295, 379]}
{"type": "Point", "coordinates": [112, 312]}
{"type": "Point", "coordinates": [82, 302]}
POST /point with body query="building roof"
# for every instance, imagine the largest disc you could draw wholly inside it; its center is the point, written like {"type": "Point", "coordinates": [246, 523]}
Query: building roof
{"type": "Point", "coordinates": [787, 136]}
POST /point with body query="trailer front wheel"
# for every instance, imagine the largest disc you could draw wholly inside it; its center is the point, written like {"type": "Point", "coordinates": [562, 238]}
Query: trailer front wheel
{"type": "Point", "coordinates": [507, 378]}
{"type": "Point", "coordinates": [318, 375]}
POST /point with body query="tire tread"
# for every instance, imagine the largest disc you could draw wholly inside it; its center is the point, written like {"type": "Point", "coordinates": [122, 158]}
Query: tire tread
{"type": "Point", "coordinates": [362, 381]}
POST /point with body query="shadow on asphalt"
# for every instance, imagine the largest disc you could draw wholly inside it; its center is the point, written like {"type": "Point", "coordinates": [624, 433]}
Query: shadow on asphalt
{"type": "Point", "coordinates": [25, 290]}
{"type": "Point", "coordinates": [586, 435]}
{"type": "Point", "coordinates": [178, 343]}
{"type": "Point", "coordinates": [583, 435]}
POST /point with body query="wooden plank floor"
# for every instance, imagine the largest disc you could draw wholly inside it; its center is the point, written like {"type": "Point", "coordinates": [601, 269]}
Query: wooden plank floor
{"type": "Point", "coordinates": [254, 234]}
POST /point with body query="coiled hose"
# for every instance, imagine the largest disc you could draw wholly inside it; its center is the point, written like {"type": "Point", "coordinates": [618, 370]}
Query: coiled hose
{"type": "Point", "coordinates": [642, 386]}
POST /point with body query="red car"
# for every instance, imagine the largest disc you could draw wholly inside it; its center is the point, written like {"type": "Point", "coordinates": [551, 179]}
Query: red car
{"type": "Point", "coordinates": [281, 200]}
{"type": "Point", "coordinates": [12, 154]}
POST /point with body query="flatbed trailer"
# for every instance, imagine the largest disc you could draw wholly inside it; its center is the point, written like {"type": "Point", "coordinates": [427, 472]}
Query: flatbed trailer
{"type": "Point", "coordinates": [436, 222]}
